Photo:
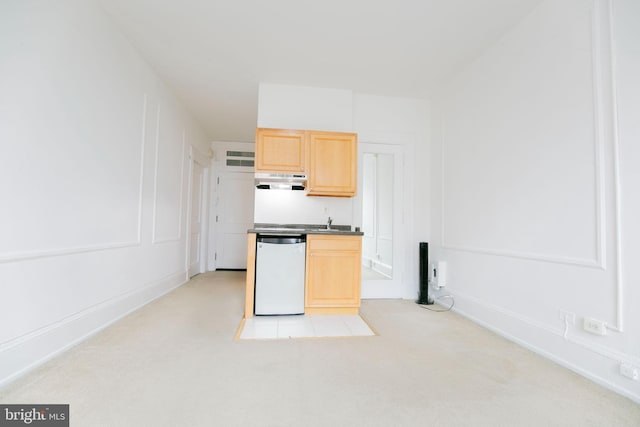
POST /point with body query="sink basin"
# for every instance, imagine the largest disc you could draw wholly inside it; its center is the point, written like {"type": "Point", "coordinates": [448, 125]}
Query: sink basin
{"type": "Point", "coordinates": [331, 231]}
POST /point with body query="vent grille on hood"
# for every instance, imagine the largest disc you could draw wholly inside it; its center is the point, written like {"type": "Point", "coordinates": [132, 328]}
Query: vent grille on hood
{"type": "Point", "coordinates": [277, 181]}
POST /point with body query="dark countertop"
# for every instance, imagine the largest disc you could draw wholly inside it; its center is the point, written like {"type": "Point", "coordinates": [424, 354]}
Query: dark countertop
{"type": "Point", "coordinates": [304, 229]}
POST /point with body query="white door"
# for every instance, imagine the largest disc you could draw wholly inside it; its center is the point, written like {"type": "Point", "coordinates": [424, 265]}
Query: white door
{"type": "Point", "coordinates": [234, 216]}
{"type": "Point", "coordinates": [196, 222]}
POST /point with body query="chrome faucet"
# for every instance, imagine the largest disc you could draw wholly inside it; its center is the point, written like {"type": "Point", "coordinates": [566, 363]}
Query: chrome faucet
{"type": "Point", "coordinates": [329, 221]}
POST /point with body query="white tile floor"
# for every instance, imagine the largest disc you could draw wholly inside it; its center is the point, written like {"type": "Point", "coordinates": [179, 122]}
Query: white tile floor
{"type": "Point", "coordinates": [316, 326]}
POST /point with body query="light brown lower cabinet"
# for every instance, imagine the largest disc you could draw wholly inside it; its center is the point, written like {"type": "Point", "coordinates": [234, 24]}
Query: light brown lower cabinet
{"type": "Point", "coordinates": [333, 269]}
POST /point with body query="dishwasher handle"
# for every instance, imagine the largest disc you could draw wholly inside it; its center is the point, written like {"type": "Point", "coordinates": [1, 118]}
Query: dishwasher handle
{"type": "Point", "coordinates": [282, 240]}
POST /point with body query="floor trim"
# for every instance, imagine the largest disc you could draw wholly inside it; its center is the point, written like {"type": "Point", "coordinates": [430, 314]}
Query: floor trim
{"type": "Point", "coordinates": [27, 352]}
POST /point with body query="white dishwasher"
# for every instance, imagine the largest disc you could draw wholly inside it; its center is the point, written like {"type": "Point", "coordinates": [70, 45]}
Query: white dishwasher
{"type": "Point", "coordinates": [280, 269]}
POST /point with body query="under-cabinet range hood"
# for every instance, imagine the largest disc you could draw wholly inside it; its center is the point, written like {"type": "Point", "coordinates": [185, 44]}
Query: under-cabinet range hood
{"type": "Point", "coordinates": [280, 181]}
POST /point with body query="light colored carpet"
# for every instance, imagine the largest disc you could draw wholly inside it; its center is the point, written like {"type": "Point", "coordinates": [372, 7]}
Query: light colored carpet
{"type": "Point", "coordinates": [175, 363]}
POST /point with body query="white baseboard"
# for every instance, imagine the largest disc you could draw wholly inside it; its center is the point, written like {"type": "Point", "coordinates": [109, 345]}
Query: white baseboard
{"type": "Point", "coordinates": [21, 355]}
{"type": "Point", "coordinates": [377, 266]}
{"type": "Point", "coordinates": [366, 261]}
{"type": "Point", "coordinates": [474, 311]}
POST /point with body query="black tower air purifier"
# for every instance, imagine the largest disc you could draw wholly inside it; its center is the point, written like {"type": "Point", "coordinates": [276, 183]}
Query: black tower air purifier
{"type": "Point", "coordinates": [424, 297]}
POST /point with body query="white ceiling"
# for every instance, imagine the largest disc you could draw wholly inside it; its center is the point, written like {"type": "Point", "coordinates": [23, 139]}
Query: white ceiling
{"type": "Point", "coordinates": [213, 53]}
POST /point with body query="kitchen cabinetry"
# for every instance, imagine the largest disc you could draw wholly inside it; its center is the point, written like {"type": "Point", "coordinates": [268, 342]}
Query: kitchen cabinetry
{"type": "Point", "coordinates": [280, 150]}
{"type": "Point", "coordinates": [331, 163]}
{"type": "Point", "coordinates": [250, 283]}
{"type": "Point", "coordinates": [332, 274]}
{"type": "Point", "coordinates": [329, 159]}
{"type": "Point", "coordinates": [332, 284]}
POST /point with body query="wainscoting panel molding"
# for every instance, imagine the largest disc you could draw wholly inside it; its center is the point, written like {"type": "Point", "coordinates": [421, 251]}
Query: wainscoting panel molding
{"type": "Point", "coordinates": [605, 140]}
{"type": "Point", "coordinates": [53, 252]}
{"type": "Point", "coordinates": [176, 234]}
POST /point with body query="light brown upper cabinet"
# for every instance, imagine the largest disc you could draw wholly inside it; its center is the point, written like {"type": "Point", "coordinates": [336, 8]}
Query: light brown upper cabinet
{"type": "Point", "coordinates": [329, 159]}
{"type": "Point", "coordinates": [280, 150]}
{"type": "Point", "coordinates": [331, 163]}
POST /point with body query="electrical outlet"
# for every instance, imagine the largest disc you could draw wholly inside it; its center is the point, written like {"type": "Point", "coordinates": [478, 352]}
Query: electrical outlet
{"type": "Point", "coordinates": [567, 315]}
{"type": "Point", "coordinates": [594, 326]}
{"type": "Point", "coordinates": [629, 371]}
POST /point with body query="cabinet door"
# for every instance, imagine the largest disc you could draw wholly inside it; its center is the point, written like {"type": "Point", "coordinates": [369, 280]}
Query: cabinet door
{"type": "Point", "coordinates": [280, 150]}
{"type": "Point", "coordinates": [333, 271]}
{"type": "Point", "coordinates": [332, 163]}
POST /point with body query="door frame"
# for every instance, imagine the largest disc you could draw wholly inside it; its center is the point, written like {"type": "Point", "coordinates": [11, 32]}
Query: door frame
{"type": "Point", "coordinates": [394, 287]}
{"type": "Point", "coordinates": [219, 167]}
{"type": "Point", "coordinates": [196, 156]}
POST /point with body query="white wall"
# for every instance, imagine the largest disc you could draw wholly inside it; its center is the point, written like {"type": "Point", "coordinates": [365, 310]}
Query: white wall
{"type": "Point", "coordinates": [298, 107]}
{"type": "Point", "coordinates": [403, 122]}
{"type": "Point", "coordinates": [94, 175]}
{"type": "Point", "coordinates": [627, 78]}
{"type": "Point", "coordinates": [309, 108]}
{"type": "Point", "coordinates": [376, 119]}
{"type": "Point", "coordinates": [525, 202]}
